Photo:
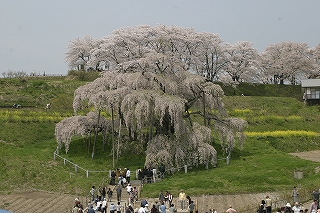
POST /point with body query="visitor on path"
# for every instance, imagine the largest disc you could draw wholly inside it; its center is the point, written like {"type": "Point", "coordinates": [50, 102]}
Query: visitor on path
{"type": "Point", "coordinates": [314, 206]}
{"type": "Point", "coordinates": [295, 194]}
{"type": "Point", "coordinates": [315, 195]}
{"type": "Point", "coordinates": [161, 197]}
{"type": "Point", "coordinates": [112, 208]}
{"type": "Point", "coordinates": [99, 192]}
{"type": "Point", "coordinates": [103, 193]}
{"type": "Point", "coordinates": [130, 208]}
{"type": "Point", "coordinates": [163, 208]}
{"type": "Point", "coordinates": [127, 210]}
{"type": "Point", "coordinates": [231, 210]}
{"type": "Point", "coordinates": [109, 193]}
{"type": "Point", "coordinates": [92, 193]}
{"type": "Point", "coordinates": [128, 188]}
{"type": "Point", "coordinates": [113, 178]}
{"type": "Point", "coordinates": [144, 202]}
{"type": "Point", "coordinates": [118, 207]}
{"type": "Point", "coordinates": [262, 207]}
{"type": "Point", "coordinates": [182, 200]}
{"type": "Point", "coordinates": [91, 210]}
{"type": "Point", "coordinates": [191, 207]}
{"type": "Point", "coordinates": [104, 206]}
{"type": "Point", "coordinates": [157, 205]}
{"type": "Point", "coordinates": [154, 209]}
{"type": "Point", "coordinates": [287, 208]}
{"type": "Point", "coordinates": [146, 208]}
{"type": "Point", "coordinates": [170, 198]}
{"type": "Point", "coordinates": [128, 173]}
{"type": "Point", "coordinates": [172, 209]}
{"type": "Point", "coordinates": [268, 204]}
{"type": "Point", "coordinates": [212, 211]}
{"type": "Point", "coordinates": [296, 208]}
{"type": "Point", "coordinates": [141, 209]}
{"type": "Point", "coordinates": [119, 191]}
{"type": "Point", "coordinates": [189, 199]}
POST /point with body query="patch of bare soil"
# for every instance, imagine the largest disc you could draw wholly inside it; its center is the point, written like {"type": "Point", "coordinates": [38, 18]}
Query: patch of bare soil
{"type": "Point", "coordinates": [310, 155]}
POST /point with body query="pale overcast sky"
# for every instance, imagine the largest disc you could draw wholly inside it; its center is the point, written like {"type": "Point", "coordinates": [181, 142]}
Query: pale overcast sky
{"type": "Point", "coordinates": [35, 34]}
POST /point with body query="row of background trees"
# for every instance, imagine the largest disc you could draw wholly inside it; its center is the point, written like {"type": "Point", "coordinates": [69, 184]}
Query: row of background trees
{"type": "Point", "coordinates": [202, 53]}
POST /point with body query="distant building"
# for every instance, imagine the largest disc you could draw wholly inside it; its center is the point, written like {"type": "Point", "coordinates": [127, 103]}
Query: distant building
{"type": "Point", "coordinates": [311, 91]}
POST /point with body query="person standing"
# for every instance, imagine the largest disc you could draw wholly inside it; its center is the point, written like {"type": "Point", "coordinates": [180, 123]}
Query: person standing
{"type": "Point", "coordinates": [262, 207]}
{"type": "Point", "coordinates": [109, 193]}
{"type": "Point", "coordinates": [119, 191]}
{"type": "Point", "coordinates": [92, 192]}
{"type": "Point", "coordinates": [112, 208]}
{"type": "Point", "coordinates": [161, 197]}
{"type": "Point", "coordinates": [104, 192]}
{"type": "Point", "coordinates": [91, 210]}
{"type": "Point", "coordinates": [268, 204]}
{"type": "Point", "coordinates": [287, 208]}
{"type": "Point", "coordinates": [296, 208]}
{"type": "Point", "coordinates": [315, 195]}
{"type": "Point", "coordinates": [118, 207]}
{"type": "Point", "coordinates": [99, 193]}
{"type": "Point", "coordinates": [104, 206]}
{"type": "Point", "coordinates": [128, 173]}
{"type": "Point", "coordinates": [154, 209]}
{"type": "Point", "coordinates": [231, 210]}
{"type": "Point", "coordinates": [157, 206]}
{"type": "Point", "coordinates": [172, 209]}
{"type": "Point", "coordinates": [163, 208]}
{"type": "Point", "coordinates": [170, 198]}
{"type": "Point", "coordinates": [191, 207]}
{"type": "Point", "coordinates": [141, 209]}
{"type": "Point", "coordinates": [182, 200]}
{"type": "Point", "coordinates": [212, 211]}
{"type": "Point", "coordinates": [295, 194]}
{"type": "Point", "coordinates": [314, 206]}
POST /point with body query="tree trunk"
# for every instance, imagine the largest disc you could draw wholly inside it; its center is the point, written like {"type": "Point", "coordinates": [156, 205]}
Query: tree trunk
{"type": "Point", "coordinates": [119, 138]}
{"type": "Point", "coordinates": [112, 138]}
{"type": "Point", "coordinates": [95, 136]}
{"type": "Point", "coordinates": [204, 109]}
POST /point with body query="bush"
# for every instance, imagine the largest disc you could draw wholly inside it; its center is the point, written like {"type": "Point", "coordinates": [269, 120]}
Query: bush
{"type": "Point", "coordinates": [82, 75]}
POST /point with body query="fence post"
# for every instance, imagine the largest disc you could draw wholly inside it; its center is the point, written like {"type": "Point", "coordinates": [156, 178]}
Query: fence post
{"type": "Point", "coordinates": [64, 161]}
{"type": "Point", "coordinates": [87, 173]}
{"type": "Point", "coordinates": [54, 156]}
{"type": "Point", "coordinates": [207, 167]}
{"type": "Point", "coordinates": [185, 169]}
{"type": "Point", "coordinates": [76, 167]}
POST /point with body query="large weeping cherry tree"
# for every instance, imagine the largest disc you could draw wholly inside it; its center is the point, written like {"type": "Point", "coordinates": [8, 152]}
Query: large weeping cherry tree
{"type": "Point", "coordinates": [151, 86]}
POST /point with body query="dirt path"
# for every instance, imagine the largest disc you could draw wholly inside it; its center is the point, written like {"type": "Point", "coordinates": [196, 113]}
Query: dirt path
{"type": "Point", "coordinates": [311, 155]}
{"type": "Point", "coordinates": [41, 201]}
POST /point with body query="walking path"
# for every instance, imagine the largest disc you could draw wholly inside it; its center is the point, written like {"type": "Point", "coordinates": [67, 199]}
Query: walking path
{"type": "Point", "coordinates": [41, 201]}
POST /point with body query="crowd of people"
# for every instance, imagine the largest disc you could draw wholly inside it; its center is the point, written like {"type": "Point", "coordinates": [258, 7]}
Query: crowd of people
{"type": "Point", "coordinates": [164, 203]}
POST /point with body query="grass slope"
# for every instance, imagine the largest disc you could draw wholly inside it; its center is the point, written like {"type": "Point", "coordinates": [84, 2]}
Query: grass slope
{"type": "Point", "coordinates": [27, 144]}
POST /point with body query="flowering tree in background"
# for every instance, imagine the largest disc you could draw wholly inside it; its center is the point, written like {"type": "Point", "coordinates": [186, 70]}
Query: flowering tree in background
{"type": "Point", "coordinates": [288, 61]}
{"type": "Point", "coordinates": [241, 60]}
{"type": "Point", "coordinates": [316, 57]}
{"type": "Point", "coordinates": [78, 53]}
{"type": "Point", "coordinates": [151, 86]}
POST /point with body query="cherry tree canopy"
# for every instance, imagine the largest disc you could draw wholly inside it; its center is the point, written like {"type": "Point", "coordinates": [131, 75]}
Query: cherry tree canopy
{"type": "Point", "coordinates": [80, 125]}
{"type": "Point", "coordinates": [316, 56]}
{"type": "Point", "coordinates": [288, 61]}
{"type": "Point", "coordinates": [151, 86]}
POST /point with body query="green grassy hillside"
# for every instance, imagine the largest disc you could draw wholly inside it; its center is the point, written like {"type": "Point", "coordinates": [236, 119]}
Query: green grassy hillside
{"type": "Point", "coordinates": [279, 123]}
